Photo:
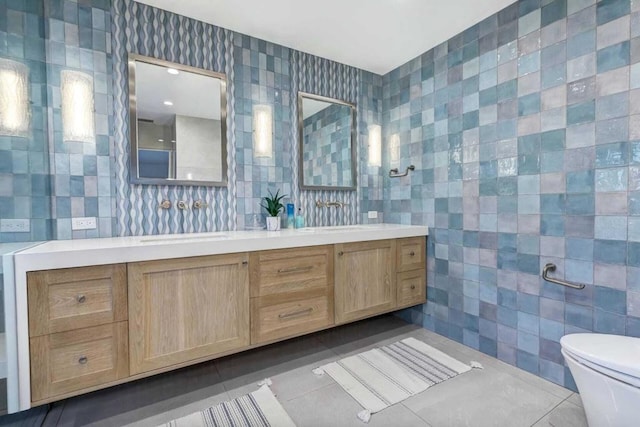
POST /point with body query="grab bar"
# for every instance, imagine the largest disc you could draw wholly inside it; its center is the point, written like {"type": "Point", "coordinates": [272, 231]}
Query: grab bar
{"type": "Point", "coordinates": [552, 267]}
{"type": "Point", "coordinates": [393, 173]}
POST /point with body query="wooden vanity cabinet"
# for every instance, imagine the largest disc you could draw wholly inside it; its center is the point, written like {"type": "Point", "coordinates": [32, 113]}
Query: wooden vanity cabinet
{"type": "Point", "coordinates": [77, 329]}
{"type": "Point", "coordinates": [92, 327]}
{"type": "Point", "coordinates": [365, 279]}
{"type": "Point", "coordinates": [411, 278]}
{"type": "Point", "coordinates": [187, 309]}
{"type": "Point", "coordinates": [291, 292]}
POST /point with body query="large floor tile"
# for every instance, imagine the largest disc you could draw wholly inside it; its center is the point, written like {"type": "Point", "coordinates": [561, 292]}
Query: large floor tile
{"type": "Point", "coordinates": [482, 398]}
{"type": "Point", "coordinates": [331, 406]}
{"type": "Point", "coordinates": [145, 398]}
{"type": "Point", "coordinates": [566, 414]}
{"type": "Point", "coordinates": [287, 364]}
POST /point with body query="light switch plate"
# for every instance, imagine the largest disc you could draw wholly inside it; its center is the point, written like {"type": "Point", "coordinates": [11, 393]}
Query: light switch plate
{"type": "Point", "coordinates": [372, 214]}
{"type": "Point", "coordinates": [86, 223]}
{"type": "Point", "coordinates": [14, 226]}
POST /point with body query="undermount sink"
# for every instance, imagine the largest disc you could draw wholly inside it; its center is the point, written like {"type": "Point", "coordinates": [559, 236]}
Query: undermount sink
{"type": "Point", "coordinates": [331, 228]}
{"type": "Point", "coordinates": [184, 238]}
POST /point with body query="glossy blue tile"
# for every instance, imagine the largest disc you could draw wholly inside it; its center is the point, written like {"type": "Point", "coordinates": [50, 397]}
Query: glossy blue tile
{"type": "Point", "coordinates": [610, 251]}
{"type": "Point", "coordinates": [613, 57]}
{"type": "Point", "coordinates": [608, 10]}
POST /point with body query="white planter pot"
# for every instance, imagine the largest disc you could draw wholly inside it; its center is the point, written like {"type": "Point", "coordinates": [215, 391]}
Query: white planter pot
{"type": "Point", "coordinates": [273, 223]}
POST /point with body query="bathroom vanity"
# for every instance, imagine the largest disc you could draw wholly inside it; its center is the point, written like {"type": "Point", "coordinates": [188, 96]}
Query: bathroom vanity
{"type": "Point", "coordinates": [99, 312]}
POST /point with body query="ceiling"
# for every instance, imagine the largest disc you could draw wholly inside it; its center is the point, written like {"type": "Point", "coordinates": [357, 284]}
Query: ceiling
{"type": "Point", "coordinates": [375, 35]}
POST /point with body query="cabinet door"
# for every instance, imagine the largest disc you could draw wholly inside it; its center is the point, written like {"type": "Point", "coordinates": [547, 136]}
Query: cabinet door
{"type": "Point", "coordinates": [187, 309]}
{"type": "Point", "coordinates": [365, 282]}
{"type": "Point", "coordinates": [68, 361]}
{"type": "Point", "coordinates": [75, 298]}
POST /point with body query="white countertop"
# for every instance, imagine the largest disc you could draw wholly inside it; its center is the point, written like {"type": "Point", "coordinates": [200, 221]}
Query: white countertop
{"type": "Point", "coordinates": [84, 252]}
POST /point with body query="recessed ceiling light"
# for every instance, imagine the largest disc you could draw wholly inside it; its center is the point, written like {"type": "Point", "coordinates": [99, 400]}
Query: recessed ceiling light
{"type": "Point", "coordinates": [161, 140]}
{"type": "Point", "coordinates": [168, 103]}
{"type": "Point", "coordinates": [173, 71]}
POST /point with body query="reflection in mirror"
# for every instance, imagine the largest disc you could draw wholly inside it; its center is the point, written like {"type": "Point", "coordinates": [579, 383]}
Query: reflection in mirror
{"type": "Point", "coordinates": [327, 143]}
{"type": "Point", "coordinates": [178, 123]}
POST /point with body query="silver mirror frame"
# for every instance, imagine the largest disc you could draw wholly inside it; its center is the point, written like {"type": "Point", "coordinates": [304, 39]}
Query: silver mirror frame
{"type": "Point", "coordinates": [354, 148]}
{"type": "Point", "coordinates": [133, 122]}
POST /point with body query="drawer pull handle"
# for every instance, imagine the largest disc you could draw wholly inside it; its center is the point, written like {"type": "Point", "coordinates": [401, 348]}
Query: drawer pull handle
{"type": "Point", "coordinates": [295, 313]}
{"type": "Point", "coordinates": [412, 253]}
{"type": "Point", "coordinates": [294, 269]}
{"type": "Point", "coordinates": [83, 360]}
{"type": "Point", "coordinates": [413, 287]}
{"type": "Point", "coordinates": [340, 253]}
{"type": "Point", "coordinates": [81, 299]}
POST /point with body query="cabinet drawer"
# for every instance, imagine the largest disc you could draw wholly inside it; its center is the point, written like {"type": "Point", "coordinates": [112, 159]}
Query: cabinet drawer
{"type": "Point", "coordinates": [412, 288]}
{"type": "Point", "coordinates": [74, 360]}
{"type": "Point", "coordinates": [410, 253]}
{"type": "Point", "coordinates": [288, 315]}
{"type": "Point", "coordinates": [75, 298]}
{"type": "Point", "coordinates": [291, 270]}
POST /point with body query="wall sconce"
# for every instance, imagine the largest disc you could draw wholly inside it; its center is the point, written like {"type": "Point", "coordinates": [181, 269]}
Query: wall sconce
{"type": "Point", "coordinates": [375, 145]}
{"type": "Point", "coordinates": [262, 131]}
{"type": "Point", "coordinates": [78, 121]}
{"type": "Point", "coordinates": [15, 114]}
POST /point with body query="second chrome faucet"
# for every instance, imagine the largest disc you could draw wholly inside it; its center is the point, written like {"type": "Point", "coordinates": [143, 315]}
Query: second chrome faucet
{"type": "Point", "coordinates": [321, 204]}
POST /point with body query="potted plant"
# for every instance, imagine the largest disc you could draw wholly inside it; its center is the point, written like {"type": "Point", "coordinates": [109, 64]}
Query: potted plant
{"type": "Point", "coordinates": [273, 207]}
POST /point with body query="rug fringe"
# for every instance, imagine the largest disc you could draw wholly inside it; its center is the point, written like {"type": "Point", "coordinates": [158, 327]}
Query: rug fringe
{"type": "Point", "coordinates": [266, 381]}
{"type": "Point", "coordinates": [318, 371]}
{"type": "Point", "coordinates": [364, 415]}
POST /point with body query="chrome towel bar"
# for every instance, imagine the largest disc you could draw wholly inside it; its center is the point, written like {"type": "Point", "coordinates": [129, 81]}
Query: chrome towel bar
{"type": "Point", "coordinates": [552, 267]}
{"type": "Point", "coordinates": [393, 173]}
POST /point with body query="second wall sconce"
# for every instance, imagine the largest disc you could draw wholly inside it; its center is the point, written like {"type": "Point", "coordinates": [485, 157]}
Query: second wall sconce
{"type": "Point", "coordinates": [375, 145]}
{"type": "Point", "coordinates": [263, 131]}
{"type": "Point", "coordinates": [78, 121]}
{"type": "Point", "coordinates": [15, 114]}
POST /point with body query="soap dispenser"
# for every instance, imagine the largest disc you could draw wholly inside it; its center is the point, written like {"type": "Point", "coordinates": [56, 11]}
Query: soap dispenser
{"type": "Point", "coordinates": [299, 219]}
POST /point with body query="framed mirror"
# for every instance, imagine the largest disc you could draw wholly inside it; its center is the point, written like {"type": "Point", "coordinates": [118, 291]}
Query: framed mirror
{"type": "Point", "coordinates": [178, 126]}
{"type": "Point", "coordinates": [327, 130]}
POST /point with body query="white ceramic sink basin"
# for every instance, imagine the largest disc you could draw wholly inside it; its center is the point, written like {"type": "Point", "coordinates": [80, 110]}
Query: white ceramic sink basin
{"type": "Point", "coordinates": [182, 238]}
{"type": "Point", "coordinates": [331, 228]}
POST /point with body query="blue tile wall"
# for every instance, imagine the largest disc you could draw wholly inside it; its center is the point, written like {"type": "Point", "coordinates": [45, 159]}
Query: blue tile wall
{"type": "Point", "coordinates": [78, 38]}
{"type": "Point", "coordinates": [523, 130]}
{"type": "Point", "coordinates": [25, 189]}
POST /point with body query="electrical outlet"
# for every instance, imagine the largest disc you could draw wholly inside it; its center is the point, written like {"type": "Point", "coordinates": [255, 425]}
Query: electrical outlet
{"type": "Point", "coordinates": [372, 214]}
{"type": "Point", "coordinates": [14, 226]}
{"type": "Point", "coordinates": [87, 223]}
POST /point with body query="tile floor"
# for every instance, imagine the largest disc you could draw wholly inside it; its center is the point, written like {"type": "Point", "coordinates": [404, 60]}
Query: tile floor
{"type": "Point", "coordinates": [498, 395]}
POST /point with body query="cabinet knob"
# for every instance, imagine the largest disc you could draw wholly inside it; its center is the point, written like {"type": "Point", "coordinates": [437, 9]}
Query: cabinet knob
{"type": "Point", "coordinates": [413, 287]}
{"type": "Point", "coordinates": [412, 253]}
{"type": "Point", "coordinates": [81, 299]}
{"type": "Point", "coordinates": [340, 253]}
{"type": "Point", "coordinates": [245, 262]}
{"type": "Point", "coordinates": [83, 360]}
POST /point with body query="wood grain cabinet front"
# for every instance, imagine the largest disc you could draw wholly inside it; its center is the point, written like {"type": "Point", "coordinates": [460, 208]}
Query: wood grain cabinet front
{"type": "Point", "coordinates": [291, 292]}
{"type": "Point", "coordinates": [65, 362]}
{"type": "Point", "coordinates": [74, 298]}
{"type": "Point", "coordinates": [187, 309]}
{"type": "Point", "coordinates": [365, 279]}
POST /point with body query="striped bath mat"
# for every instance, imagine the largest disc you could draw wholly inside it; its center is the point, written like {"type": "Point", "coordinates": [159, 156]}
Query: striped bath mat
{"type": "Point", "coordinates": [257, 409]}
{"type": "Point", "coordinates": [387, 375]}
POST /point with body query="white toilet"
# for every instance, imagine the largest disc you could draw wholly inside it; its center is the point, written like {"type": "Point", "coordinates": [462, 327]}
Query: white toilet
{"type": "Point", "coordinates": [606, 369]}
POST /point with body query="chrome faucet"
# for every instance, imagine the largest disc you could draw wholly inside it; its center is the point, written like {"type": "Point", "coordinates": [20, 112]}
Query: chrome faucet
{"type": "Point", "coordinates": [321, 204]}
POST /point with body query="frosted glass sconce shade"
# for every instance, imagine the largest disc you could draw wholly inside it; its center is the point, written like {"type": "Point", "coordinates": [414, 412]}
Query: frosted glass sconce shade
{"type": "Point", "coordinates": [262, 131]}
{"type": "Point", "coordinates": [394, 148]}
{"type": "Point", "coordinates": [375, 145]}
{"type": "Point", "coordinates": [15, 114]}
{"type": "Point", "coordinates": [78, 121]}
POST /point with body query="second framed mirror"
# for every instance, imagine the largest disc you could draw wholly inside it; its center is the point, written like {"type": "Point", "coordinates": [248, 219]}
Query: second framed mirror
{"type": "Point", "coordinates": [327, 132]}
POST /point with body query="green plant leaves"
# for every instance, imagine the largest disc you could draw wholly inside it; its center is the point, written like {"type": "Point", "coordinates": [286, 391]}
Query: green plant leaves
{"type": "Point", "coordinates": [272, 203]}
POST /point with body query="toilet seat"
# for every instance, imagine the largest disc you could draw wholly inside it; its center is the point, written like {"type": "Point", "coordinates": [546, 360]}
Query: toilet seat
{"type": "Point", "coordinates": [613, 355]}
